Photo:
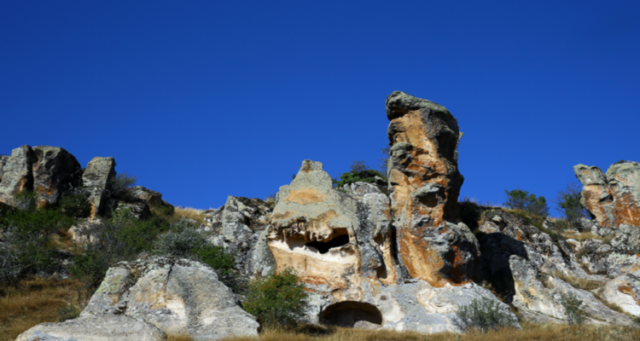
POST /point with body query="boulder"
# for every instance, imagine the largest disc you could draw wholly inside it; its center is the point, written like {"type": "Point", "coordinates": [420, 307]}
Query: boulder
{"type": "Point", "coordinates": [425, 182]}
{"type": "Point", "coordinates": [85, 232]}
{"type": "Point", "coordinates": [624, 292]}
{"type": "Point", "coordinates": [95, 328]}
{"type": "Point", "coordinates": [613, 198]}
{"type": "Point", "coordinates": [542, 293]}
{"type": "Point", "coordinates": [55, 172]}
{"type": "Point", "coordinates": [152, 198]}
{"type": "Point", "coordinates": [179, 296]}
{"type": "Point", "coordinates": [97, 179]}
{"type": "Point", "coordinates": [17, 174]}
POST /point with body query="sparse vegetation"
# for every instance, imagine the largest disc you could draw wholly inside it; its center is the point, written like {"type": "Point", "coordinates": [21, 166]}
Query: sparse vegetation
{"type": "Point", "coordinates": [568, 202]}
{"type": "Point", "coordinates": [573, 309]}
{"type": "Point", "coordinates": [76, 204]}
{"type": "Point", "coordinates": [528, 202]}
{"type": "Point", "coordinates": [483, 315]}
{"type": "Point", "coordinates": [278, 300]}
{"type": "Point", "coordinates": [120, 186]}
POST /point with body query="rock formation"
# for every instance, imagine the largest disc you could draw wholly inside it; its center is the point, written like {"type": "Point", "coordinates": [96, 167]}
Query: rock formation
{"type": "Point", "coordinates": [55, 171]}
{"type": "Point", "coordinates": [97, 178]}
{"type": "Point", "coordinates": [613, 198]}
{"type": "Point", "coordinates": [423, 176]}
{"type": "Point", "coordinates": [179, 296]}
{"type": "Point", "coordinates": [17, 174]}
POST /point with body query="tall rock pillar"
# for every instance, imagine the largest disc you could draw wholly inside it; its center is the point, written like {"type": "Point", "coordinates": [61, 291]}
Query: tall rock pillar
{"type": "Point", "coordinates": [433, 244]}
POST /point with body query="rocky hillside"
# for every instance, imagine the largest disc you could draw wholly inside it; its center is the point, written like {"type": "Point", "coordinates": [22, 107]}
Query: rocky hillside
{"type": "Point", "coordinates": [400, 254]}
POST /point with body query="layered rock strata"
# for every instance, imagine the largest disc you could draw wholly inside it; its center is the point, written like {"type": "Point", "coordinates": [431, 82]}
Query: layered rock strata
{"type": "Point", "coordinates": [424, 181]}
{"type": "Point", "coordinates": [613, 198]}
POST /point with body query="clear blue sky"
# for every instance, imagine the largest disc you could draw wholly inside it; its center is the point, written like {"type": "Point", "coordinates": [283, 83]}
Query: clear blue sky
{"type": "Point", "coordinates": [205, 99]}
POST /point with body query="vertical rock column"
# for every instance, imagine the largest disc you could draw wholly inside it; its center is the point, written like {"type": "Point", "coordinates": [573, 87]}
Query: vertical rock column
{"type": "Point", "coordinates": [17, 175]}
{"type": "Point", "coordinates": [97, 179]}
{"type": "Point", "coordinates": [423, 175]}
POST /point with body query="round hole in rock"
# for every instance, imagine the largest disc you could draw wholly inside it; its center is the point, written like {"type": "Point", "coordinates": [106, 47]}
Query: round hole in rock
{"type": "Point", "coordinates": [323, 247]}
{"type": "Point", "coordinates": [346, 314]}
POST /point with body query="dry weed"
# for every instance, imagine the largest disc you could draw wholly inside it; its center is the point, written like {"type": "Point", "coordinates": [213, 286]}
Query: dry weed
{"type": "Point", "coordinates": [527, 333]}
{"type": "Point", "coordinates": [34, 301]}
{"type": "Point", "coordinates": [189, 213]}
{"type": "Point", "coordinates": [576, 282]}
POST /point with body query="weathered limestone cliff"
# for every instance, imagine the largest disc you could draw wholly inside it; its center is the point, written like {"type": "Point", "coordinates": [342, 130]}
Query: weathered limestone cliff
{"type": "Point", "coordinates": [613, 198]}
{"type": "Point", "coordinates": [423, 176]}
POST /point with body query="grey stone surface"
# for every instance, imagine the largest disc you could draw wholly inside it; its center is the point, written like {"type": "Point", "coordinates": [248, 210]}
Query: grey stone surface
{"type": "Point", "coordinates": [179, 296]}
{"type": "Point", "coordinates": [624, 292]}
{"type": "Point", "coordinates": [152, 198]}
{"type": "Point", "coordinates": [95, 328]}
{"type": "Point", "coordinates": [97, 179]}
{"type": "Point", "coordinates": [138, 210]}
{"type": "Point", "coordinates": [55, 172]}
{"type": "Point", "coordinates": [17, 174]}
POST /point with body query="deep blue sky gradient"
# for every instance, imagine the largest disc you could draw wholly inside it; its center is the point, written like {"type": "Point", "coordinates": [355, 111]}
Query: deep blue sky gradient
{"type": "Point", "coordinates": [204, 99]}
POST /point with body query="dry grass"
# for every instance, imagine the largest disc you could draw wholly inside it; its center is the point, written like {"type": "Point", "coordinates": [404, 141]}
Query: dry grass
{"type": "Point", "coordinates": [586, 235]}
{"type": "Point", "coordinates": [576, 282]}
{"type": "Point", "coordinates": [529, 332]}
{"type": "Point", "coordinates": [34, 301]}
{"type": "Point", "coordinates": [189, 213]}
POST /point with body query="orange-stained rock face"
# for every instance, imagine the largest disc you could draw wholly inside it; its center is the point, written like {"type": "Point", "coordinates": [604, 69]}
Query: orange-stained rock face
{"type": "Point", "coordinates": [613, 198]}
{"type": "Point", "coordinates": [423, 174]}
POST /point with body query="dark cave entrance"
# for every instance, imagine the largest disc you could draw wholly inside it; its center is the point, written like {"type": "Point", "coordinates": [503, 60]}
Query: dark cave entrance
{"type": "Point", "coordinates": [323, 247]}
{"type": "Point", "coordinates": [346, 314]}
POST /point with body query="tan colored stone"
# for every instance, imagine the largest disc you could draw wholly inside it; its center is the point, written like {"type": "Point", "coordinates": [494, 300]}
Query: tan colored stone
{"type": "Point", "coordinates": [425, 183]}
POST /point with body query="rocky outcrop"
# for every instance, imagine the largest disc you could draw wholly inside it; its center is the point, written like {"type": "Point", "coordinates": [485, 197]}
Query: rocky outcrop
{"type": "Point", "coordinates": [613, 198]}
{"type": "Point", "coordinates": [624, 292]}
{"type": "Point", "coordinates": [95, 328]}
{"type": "Point", "coordinates": [17, 174]}
{"type": "Point", "coordinates": [179, 296]}
{"type": "Point", "coordinates": [313, 229]}
{"type": "Point", "coordinates": [424, 181]}
{"type": "Point", "coordinates": [55, 172]}
{"type": "Point", "coordinates": [97, 178]}
{"type": "Point", "coordinates": [152, 198]}
{"type": "Point", "coordinates": [138, 210]}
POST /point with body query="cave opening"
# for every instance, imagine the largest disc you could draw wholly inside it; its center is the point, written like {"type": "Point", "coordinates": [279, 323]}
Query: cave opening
{"type": "Point", "coordinates": [323, 247]}
{"type": "Point", "coordinates": [348, 313]}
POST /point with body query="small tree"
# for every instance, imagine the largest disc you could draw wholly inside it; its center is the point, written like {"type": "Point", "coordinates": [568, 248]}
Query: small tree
{"type": "Point", "coordinates": [568, 202]}
{"type": "Point", "coordinates": [278, 300]}
{"type": "Point", "coordinates": [483, 315]}
{"type": "Point", "coordinates": [358, 166]}
{"type": "Point", "coordinates": [528, 202]}
{"type": "Point", "coordinates": [383, 162]}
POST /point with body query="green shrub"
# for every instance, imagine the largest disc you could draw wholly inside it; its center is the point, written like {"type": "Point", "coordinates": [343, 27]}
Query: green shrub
{"type": "Point", "coordinates": [179, 243]}
{"type": "Point", "coordinates": [278, 300]}
{"type": "Point", "coordinates": [26, 246]}
{"type": "Point", "coordinates": [90, 266]}
{"type": "Point", "coordinates": [76, 204]}
{"type": "Point", "coordinates": [523, 200]}
{"type": "Point", "coordinates": [573, 309]}
{"type": "Point", "coordinates": [362, 176]}
{"type": "Point", "coordinates": [120, 187]}
{"type": "Point", "coordinates": [25, 200]}
{"type": "Point", "coordinates": [68, 312]}
{"type": "Point", "coordinates": [483, 315]}
{"type": "Point", "coordinates": [568, 202]}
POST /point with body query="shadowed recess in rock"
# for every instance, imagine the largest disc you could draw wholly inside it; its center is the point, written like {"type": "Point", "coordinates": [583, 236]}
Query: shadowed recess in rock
{"type": "Point", "coordinates": [324, 247]}
{"type": "Point", "coordinates": [346, 314]}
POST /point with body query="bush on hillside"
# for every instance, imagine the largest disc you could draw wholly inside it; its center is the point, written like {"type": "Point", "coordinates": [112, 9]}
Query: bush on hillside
{"type": "Point", "coordinates": [278, 300]}
{"type": "Point", "coordinates": [120, 187]}
{"type": "Point", "coordinates": [483, 315]}
{"type": "Point", "coordinates": [568, 202]}
{"type": "Point", "coordinates": [25, 200]}
{"type": "Point", "coordinates": [26, 247]}
{"type": "Point", "coordinates": [527, 202]}
{"type": "Point", "coordinates": [76, 204]}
